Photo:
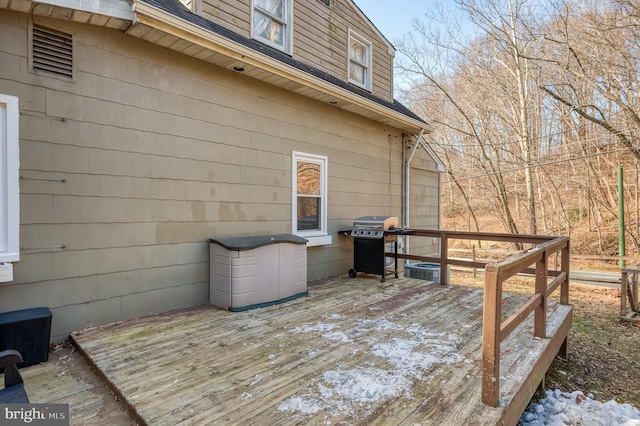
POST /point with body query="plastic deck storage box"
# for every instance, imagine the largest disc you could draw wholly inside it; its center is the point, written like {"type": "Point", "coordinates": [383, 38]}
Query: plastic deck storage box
{"type": "Point", "coordinates": [256, 271]}
{"type": "Point", "coordinates": [28, 331]}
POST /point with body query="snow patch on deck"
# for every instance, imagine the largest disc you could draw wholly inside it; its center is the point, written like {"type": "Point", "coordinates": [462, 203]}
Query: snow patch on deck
{"type": "Point", "coordinates": [400, 361]}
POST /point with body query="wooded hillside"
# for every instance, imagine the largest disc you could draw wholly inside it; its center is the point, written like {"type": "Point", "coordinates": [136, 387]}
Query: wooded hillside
{"type": "Point", "coordinates": [535, 106]}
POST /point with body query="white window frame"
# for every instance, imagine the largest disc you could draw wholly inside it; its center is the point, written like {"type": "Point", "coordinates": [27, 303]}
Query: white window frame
{"type": "Point", "coordinates": [367, 64]}
{"type": "Point", "coordinates": [9, 180]}
{"type": "Point", "coordinates": [287, 46]}
{"type": "Point", "coordinates": [320, 236]}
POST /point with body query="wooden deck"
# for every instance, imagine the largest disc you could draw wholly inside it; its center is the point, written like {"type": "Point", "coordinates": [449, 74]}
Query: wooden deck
{"type": "Point", "coordinates": [355, 351]}
{"type": "Point", "coordinates": [66, 378]}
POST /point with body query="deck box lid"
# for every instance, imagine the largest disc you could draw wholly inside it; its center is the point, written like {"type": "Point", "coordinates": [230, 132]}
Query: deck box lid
{"type": "Point", "coordinates": [255, 241]}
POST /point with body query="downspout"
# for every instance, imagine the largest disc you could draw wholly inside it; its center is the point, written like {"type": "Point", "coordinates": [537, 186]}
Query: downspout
{"type": "Point", "coordinates": [407, 192]}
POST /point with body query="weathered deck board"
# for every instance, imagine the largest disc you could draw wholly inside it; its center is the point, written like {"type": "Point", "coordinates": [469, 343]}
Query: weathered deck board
{"type": "Point", "coordinates": [209, 366]}
{"type": "Point", "coordinates": [67, 379]}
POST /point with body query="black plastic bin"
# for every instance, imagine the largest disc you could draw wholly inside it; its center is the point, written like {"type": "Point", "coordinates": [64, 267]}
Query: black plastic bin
{"type": "Point", "coordinates": [28, 331]}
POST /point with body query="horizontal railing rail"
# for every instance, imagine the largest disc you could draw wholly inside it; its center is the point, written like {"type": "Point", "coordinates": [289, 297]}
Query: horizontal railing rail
{"type": "Point", "coordinates": [494, 330]}
{"type": "Point", "coordinates": [534, 261]}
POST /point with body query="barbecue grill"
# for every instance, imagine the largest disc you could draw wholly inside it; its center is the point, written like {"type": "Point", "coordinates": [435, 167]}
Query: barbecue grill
{"type": "Point", "coordinates": [370, 235]}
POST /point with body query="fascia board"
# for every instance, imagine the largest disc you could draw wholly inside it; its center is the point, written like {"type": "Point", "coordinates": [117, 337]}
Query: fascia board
{"type": "Point", "coordinates": [114, 8]}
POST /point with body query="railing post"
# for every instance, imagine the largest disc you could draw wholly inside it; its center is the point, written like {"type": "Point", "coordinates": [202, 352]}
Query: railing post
{"type": "Point", "coordinates": [540, 320]}
{"type": "Point", "coordinates": [491, 322]}
{"type": "Point", "coordinates": [565, 267]}
{"type": "Point", "coordinates": [444, 254]}
{"type": "Point", "coordinates": [634, 291]}
{"type": "Point", "coordinates": [623, 293]}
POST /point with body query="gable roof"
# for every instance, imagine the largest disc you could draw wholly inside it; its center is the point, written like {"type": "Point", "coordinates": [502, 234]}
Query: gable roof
{"type": "Point", "coordinates": [359, 11]}
{"type": "Point", "coordinates": [178, 10]}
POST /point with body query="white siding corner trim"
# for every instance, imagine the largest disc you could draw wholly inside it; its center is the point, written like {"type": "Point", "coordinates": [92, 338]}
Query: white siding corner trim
{"type": "Point", "coordinates": [9, 180]}
{"type": "Point", "coordinates": [195, 6]}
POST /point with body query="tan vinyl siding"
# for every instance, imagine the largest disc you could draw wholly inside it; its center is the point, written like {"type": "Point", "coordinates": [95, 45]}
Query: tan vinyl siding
{"type": "Point", "coordinates": [320, 35]}
{"type": "Point", "coordinates": [424, 201]}
{"type": "Point", "coordinates": [160, 152]}
{"type": "Point", "coordinates": [319, 39]}
{"type": "Point", "coordinates": [234, 15]}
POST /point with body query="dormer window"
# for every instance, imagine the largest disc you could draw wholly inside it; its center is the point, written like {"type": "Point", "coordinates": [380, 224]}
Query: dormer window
{"type": "Point", "coordinates": [359, 61]}
{"type": "Point", "coordinates": [271, 23]}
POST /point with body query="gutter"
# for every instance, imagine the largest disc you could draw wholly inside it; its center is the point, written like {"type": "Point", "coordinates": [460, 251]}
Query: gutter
{"type": "Point", "coordinates": [120, 9]}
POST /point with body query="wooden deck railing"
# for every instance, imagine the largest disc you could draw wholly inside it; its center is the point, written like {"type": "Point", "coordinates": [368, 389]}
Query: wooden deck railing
{"type": "Point", "coordinates": [494, 330]}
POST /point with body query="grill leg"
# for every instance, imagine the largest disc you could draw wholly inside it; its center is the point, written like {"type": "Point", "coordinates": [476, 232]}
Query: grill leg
{"type": "Point", "coordinates": [395, 258]}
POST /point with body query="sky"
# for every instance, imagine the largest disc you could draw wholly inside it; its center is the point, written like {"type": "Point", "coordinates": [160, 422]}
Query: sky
{"type": "Point", "coordinates": [393, 18]}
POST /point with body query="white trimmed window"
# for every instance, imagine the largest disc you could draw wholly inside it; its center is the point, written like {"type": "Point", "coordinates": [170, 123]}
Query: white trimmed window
{"type": "Point", "coordinates": [271, 23]}
{"type": "Point", "coordinates": [9, 180]}
{"type": "Point", "coordinates": [309, 198]}
{"type": "Point", "coordinates": [359, 61]}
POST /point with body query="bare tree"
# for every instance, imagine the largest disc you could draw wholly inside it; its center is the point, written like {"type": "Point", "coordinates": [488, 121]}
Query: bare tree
{"type": "Point", "coordinates": [506, 31]}
{"type": "Point", "coordinates": [595, 64]}
{"type": "Point", "coordinates": [533, 111]}
{"type": "Point", "coordinates": [457, 103]}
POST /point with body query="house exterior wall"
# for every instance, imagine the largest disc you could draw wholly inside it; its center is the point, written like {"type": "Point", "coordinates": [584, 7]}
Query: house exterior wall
{"type": "Point", "coordinates": [319, 36]}
{"type": "Point", "coordinates": [128, 170]}
{"type": "Point", "coordinates": [424, 210]}
{"type": "Point", "coordinates": [232, 14]}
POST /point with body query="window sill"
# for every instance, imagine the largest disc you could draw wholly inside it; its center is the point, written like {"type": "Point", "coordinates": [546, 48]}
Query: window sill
{"type": "Point", "coordinates": [366, 87]}
{"type": "Point", "coordinates": [321, 240]}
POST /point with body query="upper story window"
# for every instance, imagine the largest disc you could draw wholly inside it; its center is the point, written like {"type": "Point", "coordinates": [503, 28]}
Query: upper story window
{"type": "Point", "coordinates": [9, 183]}
{"type": "Point", "coordinates": [359, 61]}
{"type": "Point", "coordinates": [271, 23]}
{"type": "Point", "coordinates": [310, 197]}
